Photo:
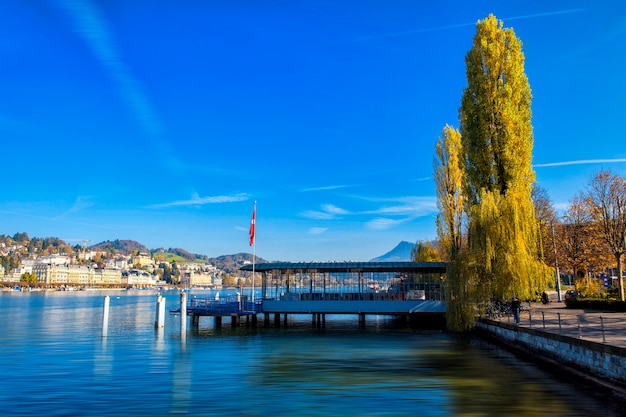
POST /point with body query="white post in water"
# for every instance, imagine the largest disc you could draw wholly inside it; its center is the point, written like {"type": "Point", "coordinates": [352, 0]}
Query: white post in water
{"type": "Point", "coordinates": [160, 322]}
{"type": "Point", "coordinates": [105, 317]}
{"type": "Point", "coordinates": [156, 314]}
{"type": "Point", "coordinates": [183, 314]}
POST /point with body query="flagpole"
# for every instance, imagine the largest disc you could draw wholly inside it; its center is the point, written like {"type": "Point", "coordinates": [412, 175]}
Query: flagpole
{"type": "Point", "coordinates": [253, 261]}
{"type": "Point", "coordinates": [253, 243]}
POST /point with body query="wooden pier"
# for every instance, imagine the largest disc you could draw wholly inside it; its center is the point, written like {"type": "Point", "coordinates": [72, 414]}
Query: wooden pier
{"type": "Point", "coordinates": [237, 308]}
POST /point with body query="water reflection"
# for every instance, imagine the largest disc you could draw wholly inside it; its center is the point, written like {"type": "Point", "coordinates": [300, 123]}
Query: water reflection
{"type": "Point", "coordinates": [53, 361]}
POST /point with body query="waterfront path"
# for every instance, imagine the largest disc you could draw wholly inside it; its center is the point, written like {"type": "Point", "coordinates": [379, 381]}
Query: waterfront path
{"type": "Point", "coordinates": [596, 326]}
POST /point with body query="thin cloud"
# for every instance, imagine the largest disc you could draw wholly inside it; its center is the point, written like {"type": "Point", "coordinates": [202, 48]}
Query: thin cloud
{"type": "Point", "coordinates": [327, 212]}
{"type": "Point", "coordinates": [80, 204]}
{"type": "Point", "coordinates": [196, 200]}
{"type": "Point", "coordinates": [581, 162]}
{"type": "Point", "coordinates": [459, 25]}
{"type": "Point", "coordinates": [383, 223]}
{"type": "Point", "coordinates": [400, 206]}
{"type": "Point", "coordinates": [415, 206]}
{"type": "Point", "coordinates": [92, 27]}
{"type": "Point", "coordinates": [60, 219]}
{"type": "Point", "coordinates": [317, 230]}
{"type": "Point", "coordinates": [329, 187]}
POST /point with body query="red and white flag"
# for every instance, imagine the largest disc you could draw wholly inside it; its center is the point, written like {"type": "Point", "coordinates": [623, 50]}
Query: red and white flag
{"type": "Point", "coordinates": [252, 223]}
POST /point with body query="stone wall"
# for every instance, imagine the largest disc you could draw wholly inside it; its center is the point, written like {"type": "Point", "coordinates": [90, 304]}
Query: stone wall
{"type": "Point", "coordinates": [597, 359]}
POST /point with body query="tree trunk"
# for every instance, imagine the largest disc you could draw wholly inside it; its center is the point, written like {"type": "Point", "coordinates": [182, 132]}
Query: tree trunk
{"type": "Point", "coordinates": [620, 279]}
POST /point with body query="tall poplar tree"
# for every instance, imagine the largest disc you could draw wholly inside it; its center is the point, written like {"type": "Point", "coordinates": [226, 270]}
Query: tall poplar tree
{"type": "Point", "coordinates": [497, 140]}
{"type": "Point", "coordinates": [448, 173]}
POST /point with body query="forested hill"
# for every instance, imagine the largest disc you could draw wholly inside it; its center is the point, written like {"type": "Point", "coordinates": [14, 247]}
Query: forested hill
{"type": "Point", "coordinates": [231, 263]}
{"type": "Point", "coordinates": [123, 246]}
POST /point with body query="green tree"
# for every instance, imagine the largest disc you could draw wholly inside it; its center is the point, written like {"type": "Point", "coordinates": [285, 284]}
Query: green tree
{"type": "Point", "coordinates": [28, 278]}
{"type": "Point", "coordinates": [448, 173]}
{"type": "Point", "coordinates": [501, 259]}
{"type": "Point", "coordinates": [424, 252]}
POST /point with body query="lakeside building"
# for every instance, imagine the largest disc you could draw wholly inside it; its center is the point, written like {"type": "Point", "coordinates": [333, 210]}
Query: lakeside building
{"type": "Point", "coordinates": [199, 275]}
{"type": "Point", "coordinates": [143, 259]}
{"type": "Point", "coordinates": [89, 276]}
{"type": "Point", "coordinates": [352, 287]}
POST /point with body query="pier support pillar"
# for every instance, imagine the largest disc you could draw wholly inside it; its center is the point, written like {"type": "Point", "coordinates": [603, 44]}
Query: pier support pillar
{"type": "Point", "coordinates": [218, 322]}
{"type": "Point", "coordinates": [233, 320]}
{"type": "Point", "coordinates": [254, 320]}
{"type": "Point", "coordinates": [195, 320]}
{"type": "Point", "coordinates": [285, 320]}
{"type": "Point", "coordinates": [319, 320]}
{"type": "Point", "coordinates": [277, 320]}
{"type": "Point", "coordinates": [361, 320]}
{"type": "Point", "coordinates": [266, 320]}
{"type": "Point", "coordinates": [323, 320]}
{"type": "Point", "coordinates": [313, 318]}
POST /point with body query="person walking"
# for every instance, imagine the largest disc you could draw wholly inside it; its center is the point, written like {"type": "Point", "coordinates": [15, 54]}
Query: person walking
{"type": "Point", "coordinates": [515, 307]}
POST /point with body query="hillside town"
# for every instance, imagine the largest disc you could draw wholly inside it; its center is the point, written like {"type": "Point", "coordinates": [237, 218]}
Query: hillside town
{"type": "Point", "coordinates": [62, 268]}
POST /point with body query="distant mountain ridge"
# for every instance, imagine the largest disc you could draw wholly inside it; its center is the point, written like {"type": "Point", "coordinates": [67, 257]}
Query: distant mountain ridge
{"type": "Point", "coordinates": [401, 253]}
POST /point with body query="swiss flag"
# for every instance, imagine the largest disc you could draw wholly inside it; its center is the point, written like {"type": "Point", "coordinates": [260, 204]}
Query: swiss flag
{"type": "Point", "coordinates": [252, 223]}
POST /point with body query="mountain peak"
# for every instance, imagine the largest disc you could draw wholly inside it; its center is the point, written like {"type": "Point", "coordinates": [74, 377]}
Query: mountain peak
{"type": "Point", "coordinates": [401, 253]}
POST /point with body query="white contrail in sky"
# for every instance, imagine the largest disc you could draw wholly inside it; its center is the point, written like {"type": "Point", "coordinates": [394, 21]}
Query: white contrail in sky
{"type": "Point", "coordinates": [196, 200]}
{"type": "Point", "coordinates": [460, 25]}
{"type": "Point", "coordinates": [92, 28]}
{"type": "Point", "coordinates": [581, 162]}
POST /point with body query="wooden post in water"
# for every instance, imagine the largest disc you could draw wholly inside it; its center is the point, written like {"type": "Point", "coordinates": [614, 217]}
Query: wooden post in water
{"type": "Point", "coordinates": [105, 317]}
{"type": "Point", "coordinates": [183, 314]}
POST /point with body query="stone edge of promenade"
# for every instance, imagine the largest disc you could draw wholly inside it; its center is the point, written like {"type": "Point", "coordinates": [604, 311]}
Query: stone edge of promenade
{"type": "Point", "coordinates": [599, 363]}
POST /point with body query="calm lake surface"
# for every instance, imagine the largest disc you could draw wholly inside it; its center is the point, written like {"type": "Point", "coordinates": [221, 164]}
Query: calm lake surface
{"type": "Point", "coordinates": [54, 362]}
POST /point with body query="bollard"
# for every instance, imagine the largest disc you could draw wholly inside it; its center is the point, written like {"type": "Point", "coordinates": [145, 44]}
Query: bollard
{"type": "Point", "coordinates": [559, 315]}
{"type": "Point", "coordinates": [602, 327]}
{"type": "Point", "coordinates": [580, 334]}
{"type": "Point", "coordinates": [183, 314]}
{"type": "Point", "coordinates": [530, 318]}
{"type": "Point", "coordinates": [105, 317]}
{"type": "Point", "coordinates": [543, 319]}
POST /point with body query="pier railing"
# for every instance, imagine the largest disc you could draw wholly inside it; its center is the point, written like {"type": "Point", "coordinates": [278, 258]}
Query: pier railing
{"type": "Point", "coordinates": [223, 306]}
{"type": "Point", "coordinates": [592, 326]}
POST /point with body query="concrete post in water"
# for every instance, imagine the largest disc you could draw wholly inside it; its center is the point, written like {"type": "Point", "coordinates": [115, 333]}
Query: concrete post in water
{"type": "Point", "coordinates": [156, 313]}
{"type": "Point", "coordinates": [105, 317]}
{"type": "Point", "coordinates": [183, 313]}
{"type": "Point", "coordinates": [160, 323]}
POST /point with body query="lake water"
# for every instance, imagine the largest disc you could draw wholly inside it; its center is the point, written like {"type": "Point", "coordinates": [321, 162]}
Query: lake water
{"type": "Point", "coordinates": [54, 362]}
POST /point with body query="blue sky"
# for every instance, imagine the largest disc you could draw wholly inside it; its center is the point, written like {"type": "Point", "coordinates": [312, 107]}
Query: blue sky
{"type": "Point", "coordinates": [163, 121]}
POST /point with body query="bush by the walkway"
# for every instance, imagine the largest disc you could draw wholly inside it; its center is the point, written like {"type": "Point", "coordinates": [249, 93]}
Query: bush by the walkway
{"type": "Point", "coordinates": [597, 304]}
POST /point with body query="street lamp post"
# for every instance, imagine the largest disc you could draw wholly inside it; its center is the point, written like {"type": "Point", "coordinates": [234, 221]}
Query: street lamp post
{"type": "Point", "coordinates": [556, 265]}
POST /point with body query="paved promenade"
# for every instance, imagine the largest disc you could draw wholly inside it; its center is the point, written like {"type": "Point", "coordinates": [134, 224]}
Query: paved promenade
{"type": "Point", "coordinates": [601, 327]}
